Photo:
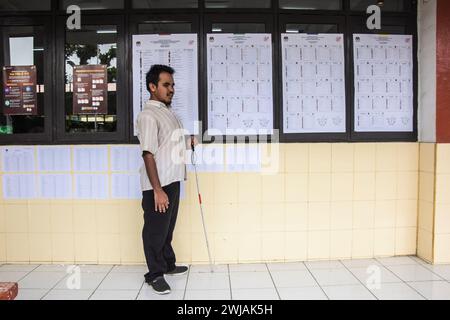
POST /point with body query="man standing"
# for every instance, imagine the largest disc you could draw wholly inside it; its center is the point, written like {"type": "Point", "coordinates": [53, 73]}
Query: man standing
{"type": "Point", "coordinates": [163, 150]}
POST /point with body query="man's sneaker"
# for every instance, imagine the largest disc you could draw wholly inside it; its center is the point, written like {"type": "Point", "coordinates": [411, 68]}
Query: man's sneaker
{"type": "Point", "coordinates": [178, 271]}
{"type": "Point", "coordinates": [159, 285]}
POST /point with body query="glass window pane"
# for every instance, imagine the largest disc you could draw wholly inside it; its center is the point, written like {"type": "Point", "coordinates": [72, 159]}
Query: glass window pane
{"type": "Point", "coordinates": [92, 4]}
{"type": "Point", "coordinates": [385, 29]}
{"type": "Point", "coordinates": [217, 4]}
{"type": "Point", "coordinates": [25, 5]}
{"type": "Point", "coordinates": [23, 46]}
{"type": "Point", "coordinates": [311, 28]}
{"type": "Point", "coordinates": [160, 27]}
{"type": "Point", "coordinates": [388, 5]}
{"type": "Point", "coordinates": [311, 4]}
{"type": "Point", "coordinates": [94, 46]}
{"type": "Point", "coordinates": [164, 4]}
{"type": "Point", "coordinates": [239, 27]}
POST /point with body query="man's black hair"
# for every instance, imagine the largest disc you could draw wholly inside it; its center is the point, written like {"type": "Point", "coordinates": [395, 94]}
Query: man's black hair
{"type": "Point", "coordinates": [154, 72]}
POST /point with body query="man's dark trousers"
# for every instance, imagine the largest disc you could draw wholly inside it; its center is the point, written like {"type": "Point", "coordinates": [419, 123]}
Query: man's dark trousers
{"type": "Point", "coordinates": [158, 231]}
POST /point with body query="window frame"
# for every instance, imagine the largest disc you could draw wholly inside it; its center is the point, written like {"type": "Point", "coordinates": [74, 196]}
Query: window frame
{"type": "Point", "coordinates": [126, 20]}
{"type": "Point", "coordinates": [134, 21]}
{"type": "Point", "coordinates": [312, 137]}
{"type": "Point", "coordinates": [262, 17]}
{"type": "Point", "coordinates": [45, 137]}
{"type": "Point", "coordinates": [122, 113]}
{"type": "Point", "coordinates": [356, 25]}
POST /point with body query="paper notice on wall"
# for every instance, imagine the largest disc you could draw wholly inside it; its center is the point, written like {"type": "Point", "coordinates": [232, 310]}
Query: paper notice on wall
{"type": "Point", "coordinates": [54, 158]}
{"type": "Point", "coordinates": [90, 89]}
{"type": "Point", "coordinates": [18, 159]}
{"type": "Point", "coordinates": [21, 51]}
{"type": "Point", "coordinates": [55, 186]}
{"type": "Point", "coordinates": [19, 186]}
{"type": "Point", "coordinates": [90, 159]}
{"type": "Point", "coordinates": [91, 186]}
{"type": "Point", "coordinates": [383, 75]}
{"type": "Point", "coordinates": [126, 158]}
{"type": "Point", "coordinates": [126, 186]}
{"type": "Point", "coordinates": [313, 83]}
{"type": "Point", "coordinates": [19, 90]}
{"type": "Point", "coordinates": [240, 91]}
{"type": "Point", "coordinates": [178, 51]}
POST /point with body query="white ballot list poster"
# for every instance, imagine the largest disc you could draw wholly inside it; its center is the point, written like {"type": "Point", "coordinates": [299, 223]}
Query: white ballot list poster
{"type": "Point", "coordinates": [240, 95]}
{"type": "Point", "coordinates": [383, 78]}
{"type": "Point", "coordinates": [126, 158]}
{"type": "Point", "coordinates": [91, 186]}
{"type": "Point", "coordinates": [54, 158]}
{"type": "Point", "coordinates": [18, 159]}
{"type": "Point", "coordinates": [313, 83]}
{"type": "Point", "coordinates": [178, 51]}
{"type": "Point", "coordinates": [90, 159]}
{"type": "Point", "coordinates": [19, 186]}
{"type": "Point", "coordinates": [55, 186]}
{"type": "Point", "coordinates": [126, 186]}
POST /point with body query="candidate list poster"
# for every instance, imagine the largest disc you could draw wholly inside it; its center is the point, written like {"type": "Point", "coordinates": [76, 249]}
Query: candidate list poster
{"type": "Point", "coordinates": [383, 73]}
{"type": "Point", "coordinates": [90, 89]}
{"type": "Point", "coordinates": [240, 94]}
{"type": "Point", "coordinates": [313, 83]}
{"type": "Point", "coordinates": [19, 90]}
{"type": "Point", "coordinates": [178, 51]}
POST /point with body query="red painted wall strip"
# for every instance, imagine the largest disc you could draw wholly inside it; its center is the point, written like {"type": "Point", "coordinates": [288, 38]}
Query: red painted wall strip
{"type": "Point", "coordinates": [443, 72]}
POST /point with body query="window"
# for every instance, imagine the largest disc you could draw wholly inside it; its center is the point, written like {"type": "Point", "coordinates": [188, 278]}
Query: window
{"type": "Point", "coordinates": [311, 4]}
{"type": "Point", "coordinates": [390, 25]}
{"type": "Point", "coordinates": [24, 5]}
{"type": "Point", "coordinates": [239, 82]}
{"type": "Point", "coordinates": [93, 45]}
{"type": "Point", "coordinates": [238, 27]}
{"type": "Point", "coordinates": [91, 84]}
{"type": "Point", "coordinates": [149, 24]}
{"type": "Point", "coordinates": [36, 35]}
{"type": "Point", "coordinates": [92, 4]}
{"type": "Point", "coordinates": [299, 125]}
{"type": "Point", "coordinates": [218, 4]}
{"type": "Point", "coordinates": [164, 4]}
{"type": "Point", "coordinates": [311, 28]}
{"type": "Point", "coordinates": [26, 88]}
{"type": "Point", "coordinates": [152, 27]}
{"type": "Point", "coordinates": [387, 5]}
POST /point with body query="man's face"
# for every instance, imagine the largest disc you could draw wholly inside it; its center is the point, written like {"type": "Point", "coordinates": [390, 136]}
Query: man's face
{"type": "Point", "coordinates": [165, 90]}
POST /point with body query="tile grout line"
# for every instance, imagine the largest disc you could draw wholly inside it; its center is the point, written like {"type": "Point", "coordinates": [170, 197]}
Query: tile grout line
{"type": "Point", "coordinates": [436, 274]}
{"type": "Point", "coordinates": [139, 291]}
{"type": "Point", "coordinates": [274, 284]}
{"type": "Point", "coordinates": [106, 275]}
{"type": "Point", "coordinates": [358, 280]}
{"type": "Point", "coordinates": [56, 284]}
{"type": "Point", "coordinates": [312, 275]}
{"type": "Point", "coordinates": [229, 281]}
{"type": "Point", "coordinates": [29, 272]}
{"type": "Point", "coordinates": [26, 275]}
{"type": "Point", "coordinates": [416, 263]}
{"type": "Point", "coordinates": [187, 280]}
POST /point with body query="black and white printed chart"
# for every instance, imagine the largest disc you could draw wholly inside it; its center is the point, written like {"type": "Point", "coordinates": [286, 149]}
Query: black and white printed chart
{"type": "Point", "coordinates": [313, 83]}
{"type": "Point", "coordinates": [383, 68]}
{"type": "Point", "coordinates": [240, 94]}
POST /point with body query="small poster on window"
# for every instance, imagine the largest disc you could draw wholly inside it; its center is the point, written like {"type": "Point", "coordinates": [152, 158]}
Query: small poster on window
{"type": "Point", "coordinates": [19, 90]}
{"type": "Point", "coordinates": [90, 89]}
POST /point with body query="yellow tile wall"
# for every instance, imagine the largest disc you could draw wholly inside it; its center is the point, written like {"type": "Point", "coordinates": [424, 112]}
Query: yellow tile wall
{"type": "Point", "coordinates": [326, 201]}
{"type": "Point", "coordinates": [426, 201]}
{"type": "Point", "coordinates": [442, 205]}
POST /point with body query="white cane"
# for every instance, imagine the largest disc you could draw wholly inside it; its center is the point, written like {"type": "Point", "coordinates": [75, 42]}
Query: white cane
{"type": "Point", "coordinates": [200, 202]}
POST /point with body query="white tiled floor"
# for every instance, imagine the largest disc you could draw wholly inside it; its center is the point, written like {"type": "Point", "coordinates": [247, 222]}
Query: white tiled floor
{"type": "Point", "coordinates": [401, 278]}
